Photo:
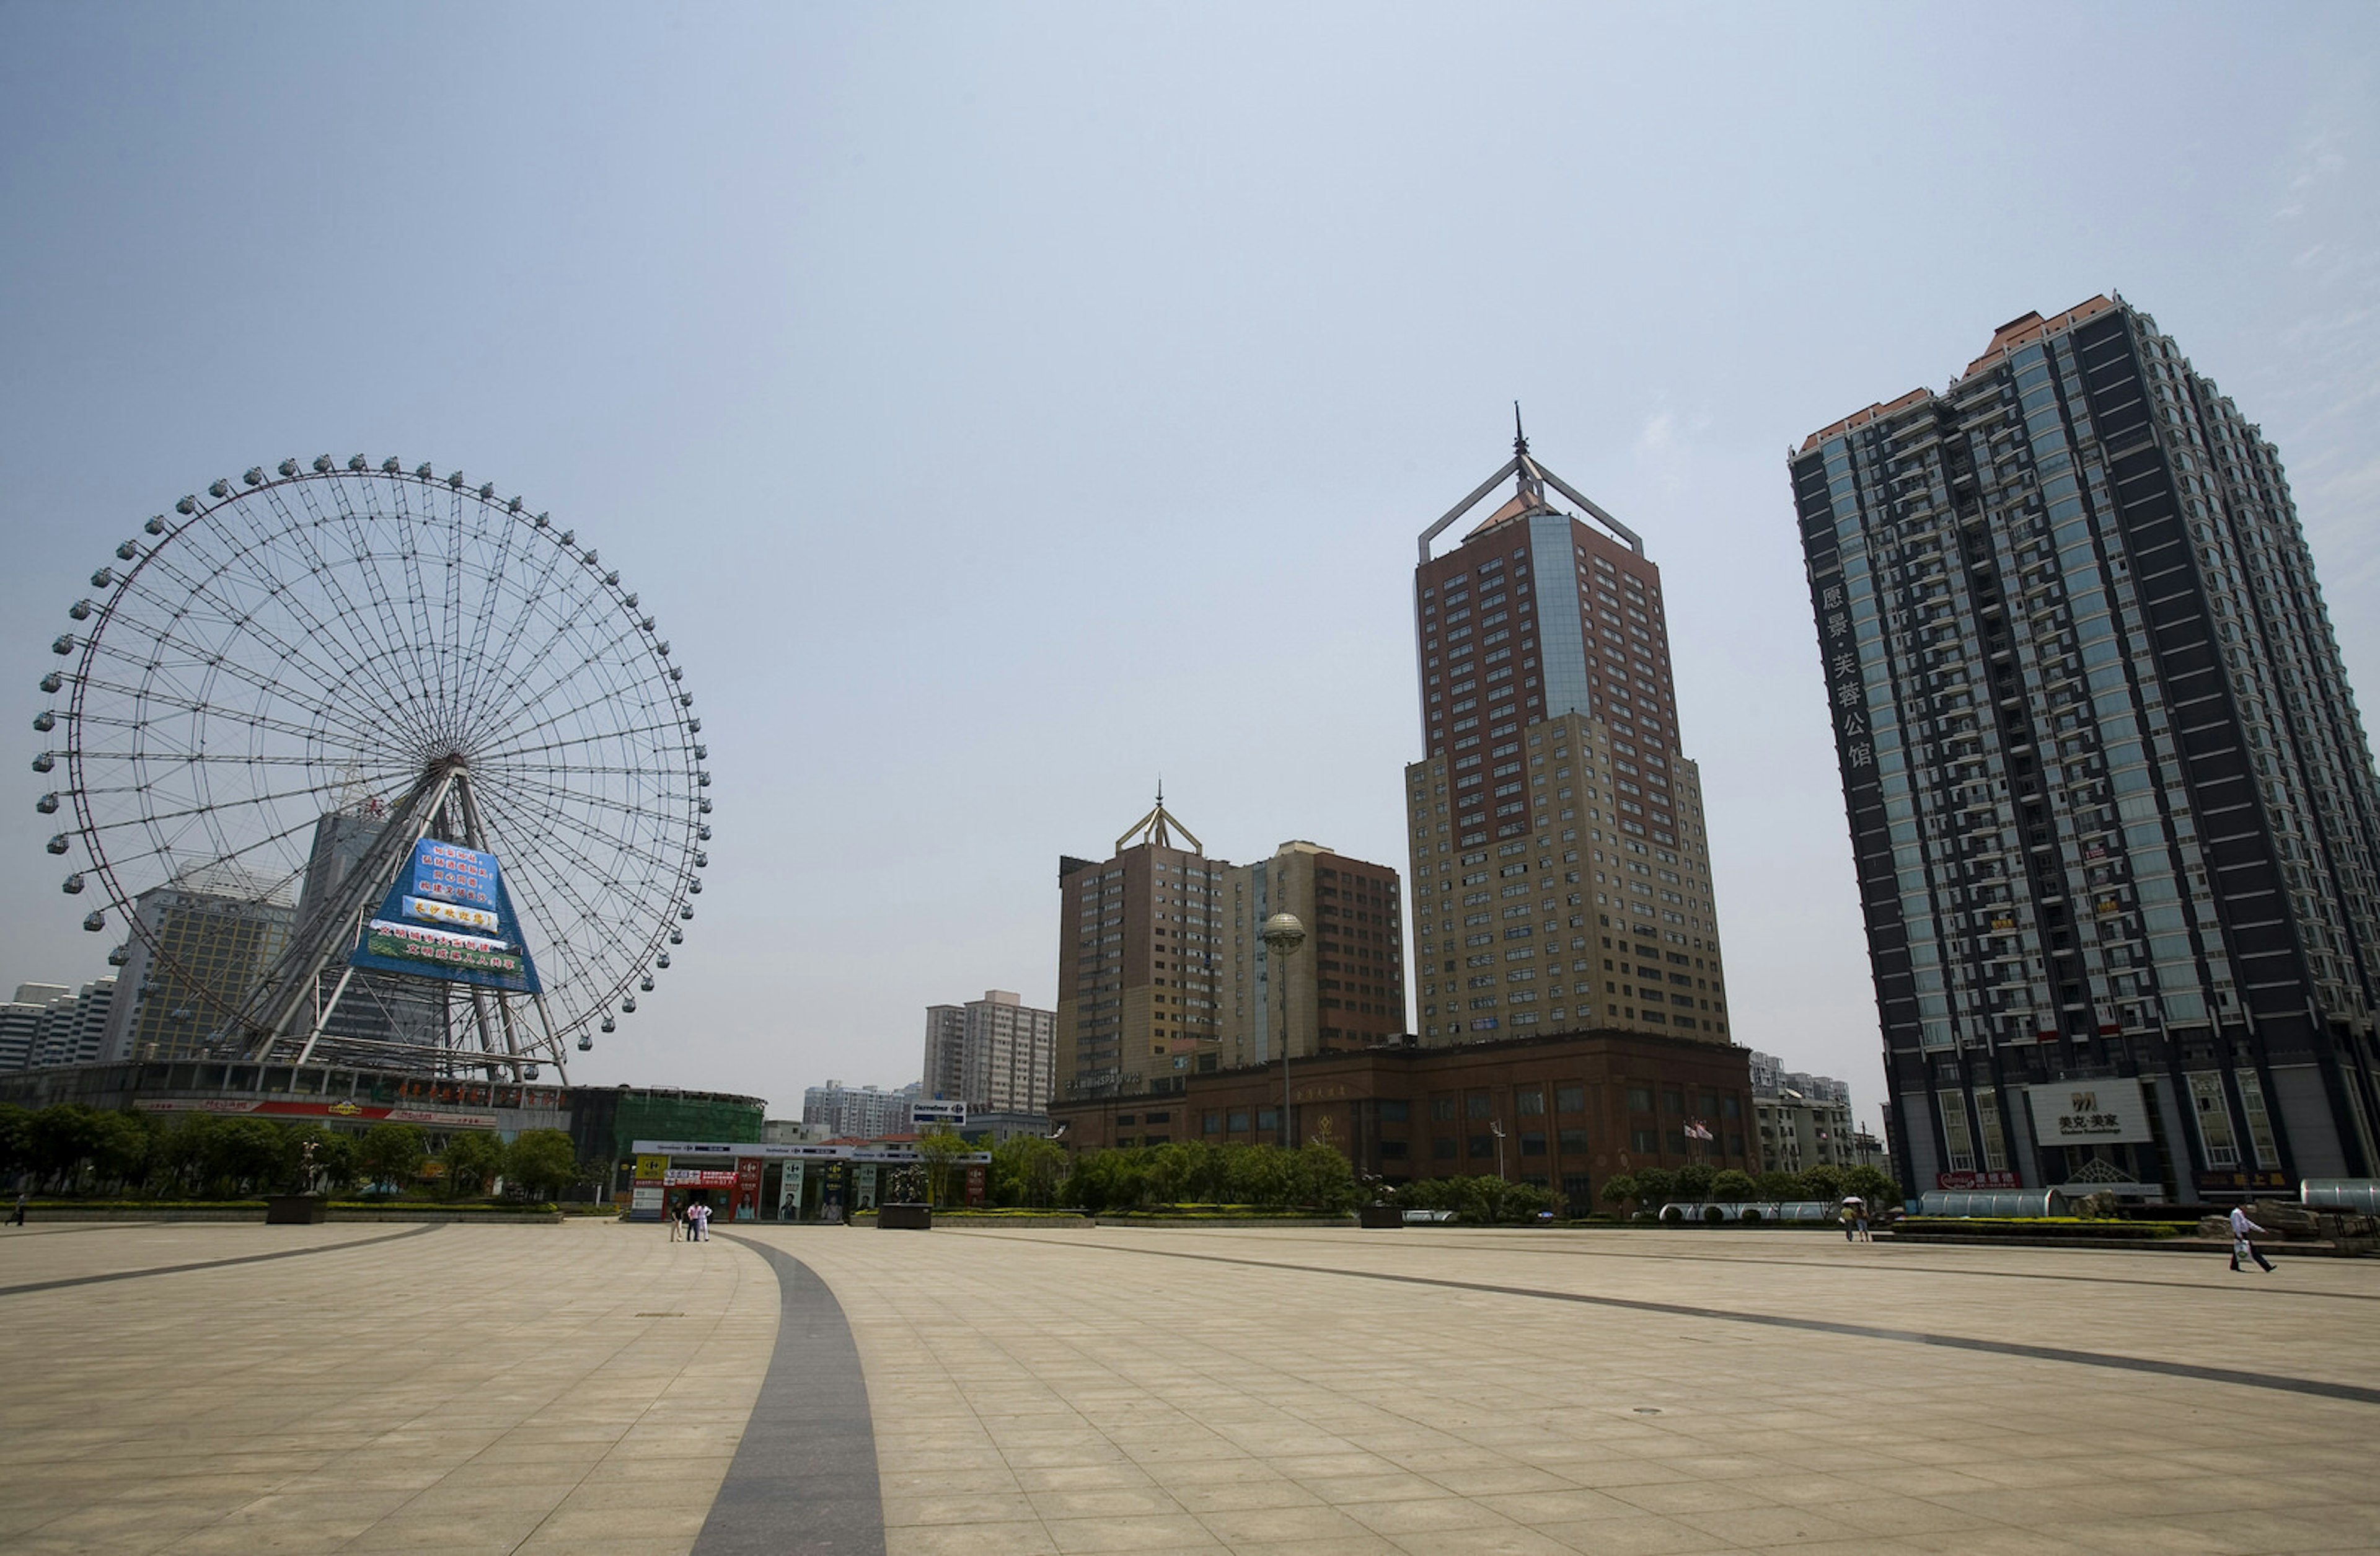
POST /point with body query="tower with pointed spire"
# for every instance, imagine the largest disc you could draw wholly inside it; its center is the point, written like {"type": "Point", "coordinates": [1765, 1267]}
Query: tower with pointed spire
{"type": "Point", "coordinates": [1560, 869]}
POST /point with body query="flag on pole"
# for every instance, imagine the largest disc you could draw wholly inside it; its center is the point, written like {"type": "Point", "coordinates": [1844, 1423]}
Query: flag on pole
{"type": "Point", "coordinates": [1697, 1129]}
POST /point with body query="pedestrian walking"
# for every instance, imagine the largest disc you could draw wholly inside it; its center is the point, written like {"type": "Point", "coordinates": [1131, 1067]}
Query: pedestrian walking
{"type": "Point", "coordinates": [2242, 1246]}
{"type": "Point", "coordinates": [677, 1221]}
{"type": "Point", "coordinates": [1850, 1217]}
{"type": "Point", "coordinates": [18, 1217]}
{"type": "Point", "coordinates": [699, 1218]}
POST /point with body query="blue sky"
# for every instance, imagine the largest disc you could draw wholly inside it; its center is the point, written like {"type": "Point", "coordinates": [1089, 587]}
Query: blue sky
{"type": "Point", "coordinates": [1001, 406]}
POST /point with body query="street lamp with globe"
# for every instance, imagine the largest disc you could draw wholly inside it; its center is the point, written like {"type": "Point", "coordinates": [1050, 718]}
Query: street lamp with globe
{"type": "Point", "coordinates": [1283, 934]}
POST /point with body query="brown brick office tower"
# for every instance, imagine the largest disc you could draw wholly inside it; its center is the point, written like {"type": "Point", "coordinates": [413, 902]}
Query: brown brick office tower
{"type": "Point", "coordinates": [1560, 870]}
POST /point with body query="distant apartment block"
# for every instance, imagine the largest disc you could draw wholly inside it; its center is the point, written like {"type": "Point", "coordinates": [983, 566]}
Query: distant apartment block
{"type": "Point", "coordinates": [1804, 1120]}
{"type": "Point", "coordinates": [996, 1054]}
{"type": "Point", "coordinates": [859, 1112]}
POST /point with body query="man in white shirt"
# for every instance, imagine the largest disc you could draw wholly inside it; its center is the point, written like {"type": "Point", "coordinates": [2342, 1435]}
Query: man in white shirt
{"type": "Point", "coordinates": [2241, 1227]}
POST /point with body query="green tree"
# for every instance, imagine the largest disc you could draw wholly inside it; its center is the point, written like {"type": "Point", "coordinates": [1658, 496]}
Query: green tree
{"type": "Point", "coordinates": [543, 1162]}
{"type": "Point", "coordinates": [1871, 1186]}
{"type": "Point", "coordinates": [941, 1150]}
{"type": "Point", "coordinates": [1026, 1170]}
{"type": "Point", "coordinates": [1732, 1186]}
{"type": "Point", "coordinates": [1622, 1190]}
{"type": "Point", "coordinates": [1695, 1179]}
{"type": "Point", "coordinates": [62, 1136]}
{"type": "Point", "coordinates": [1822, 1182]}
{"type": "Point", "coordinates": [1322, 1179]}
{"type": "Point", "coordinates": [473, 1161]}
{"type": "Point", "coordinates": [15, 1139]}
{"type": "Point", "coordinates": [120, 1145]}
{"type": "Point", "coordinates": [1779, 1185]}
{"type": "Point", "coordinates": [1659, 1186]}
{"type": "Point", "coordinates": [248, 1154]}
{"type": "Point", "coordinates": [392, 1154]}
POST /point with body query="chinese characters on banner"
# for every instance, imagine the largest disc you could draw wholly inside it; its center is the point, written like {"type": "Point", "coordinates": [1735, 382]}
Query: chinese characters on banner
{"type": "Point", "coordinates": [1846, 692]}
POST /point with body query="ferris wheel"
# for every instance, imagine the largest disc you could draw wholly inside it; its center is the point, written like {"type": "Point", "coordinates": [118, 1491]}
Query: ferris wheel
{"type": "Point", "coordinates": [375, 766]}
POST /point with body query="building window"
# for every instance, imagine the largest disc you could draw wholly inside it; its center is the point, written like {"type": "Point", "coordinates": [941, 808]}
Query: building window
{"type": "Point", "coordinates": [1569, 1099]}
{"type": "Point", "coordinates": [1268, 1118]}
{"type": "Point", "coordinates": [2213, 1119]}
{"type": "Point", "coordinates": [1640, 1099]}
{"type": "Point", "coordinates": [1442, 1150]}
{"type": "Point", "coordinates": [1572, 1142]}
{"type": "Point", "coordinates": [2260, 1123]}
{"type": "Point", "coordinates": [1987, 1125]}
{"type": "Point", "coordinates": [1532, 1144]}
{"type": "Point", "coordinates": [1672, 1099]}
{"type": "Point", "coordinates": [1394, 1151]}
{"type": "Point", "coordinates": [1643, 1142]}
{"type": "Point", "coordinates": [1483, 1145]}
{"type": "Point", "coordinates": [1394, 1113]}
{"type": "Point", "coordinates": [1959, 1145]}
{"type": "Point", "coordinates": [1529, 1101]}
{"type": "Point", "coordinates": [1212, 1124]}
{"type": "Point", "coordinates": [1475, 1104]}
{"type": "Point", "coordinates": [1239, 1122]}
{"type": "Point", "coordinates": [1441, 1109]}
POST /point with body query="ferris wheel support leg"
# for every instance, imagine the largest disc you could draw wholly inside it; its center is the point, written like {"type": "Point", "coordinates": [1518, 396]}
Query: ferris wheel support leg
{"type": "Point", "coordinates": [322, 1017]}
{"type": "Point", "coordinates": [553, 1040]}
{"type": "Point", "coordinates": [306, 959]}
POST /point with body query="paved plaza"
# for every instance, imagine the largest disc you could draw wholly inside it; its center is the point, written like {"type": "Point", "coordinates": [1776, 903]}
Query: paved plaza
{"type": "Point", "coordinates": [597, 1388]}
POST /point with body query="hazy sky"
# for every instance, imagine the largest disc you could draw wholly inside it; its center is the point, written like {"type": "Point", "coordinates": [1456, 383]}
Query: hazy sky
{"type": "Point", "coordinates": [1001, 406]}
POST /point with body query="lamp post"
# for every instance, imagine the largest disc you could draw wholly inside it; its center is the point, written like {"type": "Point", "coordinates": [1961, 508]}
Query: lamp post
{"type": "Point", "coordinates": [1283, 934]}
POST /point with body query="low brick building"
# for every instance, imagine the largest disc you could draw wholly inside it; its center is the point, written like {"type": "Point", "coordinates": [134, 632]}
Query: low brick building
{"type": "Point", "coordinates": [1573, 1108]}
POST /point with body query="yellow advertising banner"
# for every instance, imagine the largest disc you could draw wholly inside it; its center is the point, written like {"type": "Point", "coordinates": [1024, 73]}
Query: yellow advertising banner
{"type": "Point", "coordinates": [651, 1168]}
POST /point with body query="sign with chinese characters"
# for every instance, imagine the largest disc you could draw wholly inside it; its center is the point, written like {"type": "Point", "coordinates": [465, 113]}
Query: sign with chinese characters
{"type": "Point", "coordinates": [2089, 1113]}
{"type": "Point", "coordinates": [449, 917]}
{"type": "Point", "coordinates": [1976, 1180]}
{"type": "Point", "coordinates": [2241, 1180]}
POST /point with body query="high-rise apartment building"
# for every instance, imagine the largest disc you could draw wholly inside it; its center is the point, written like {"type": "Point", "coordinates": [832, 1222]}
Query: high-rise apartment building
{"type": "Point", "coordinates": [20, 1022]}
{"type": "Point", "coordinates": [1162, 969]}
{"type": "Point", "coordinates": [1560, 870]}
{"type": "Point", "coordinates": [2115, 817]}
{"type": "Point", "coordinates": [858, 1113]}
{"type": "Point", "coordinates": [202, 945]}
{"type": "Point", "coordinates": [72, 1026]}
{"type": "Point", "coordinates": [996, 1054]}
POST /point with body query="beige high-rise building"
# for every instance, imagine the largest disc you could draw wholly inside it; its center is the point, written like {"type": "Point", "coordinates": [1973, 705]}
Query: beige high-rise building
{"type": "Point", "coordinates": [1162, 972]}
{"type": "Point", "coordinates": [1560, 868]}
{"type": "Point", "coordinates": [996, 1054]}
{"type": "Point", "coordinates": [1346, 983]}
{"type": "Point", "coordinates": [1136, 961]}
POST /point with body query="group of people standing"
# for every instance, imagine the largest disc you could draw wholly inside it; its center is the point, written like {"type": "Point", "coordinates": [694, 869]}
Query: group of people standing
{"type": "Point", "coordinates": [690, 1221]}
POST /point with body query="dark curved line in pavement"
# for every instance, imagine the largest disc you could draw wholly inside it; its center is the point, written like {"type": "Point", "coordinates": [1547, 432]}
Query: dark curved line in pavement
{"type": "Point", "coordinates": [212, 1263]}
{"type": "Point", "coordinates": [2352, 1392]}
{"type": "Point", "coordinates": [804, 1477]}
{"type": "Point", "coordinates": [2251, 1292]}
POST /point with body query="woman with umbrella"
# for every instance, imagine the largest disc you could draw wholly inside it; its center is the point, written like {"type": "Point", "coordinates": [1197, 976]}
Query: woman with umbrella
{"type": "Point", "coordinates": [1855, 1217]}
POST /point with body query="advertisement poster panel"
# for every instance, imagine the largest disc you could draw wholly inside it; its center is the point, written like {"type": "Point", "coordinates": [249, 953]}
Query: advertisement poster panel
{"type": "Point", "coordinates": [2089, 1113]}
{"type": "Point", "coordinates": [647, 1186]}
{"type": "Point", "coordinates": [789, 1195]}
{"type": "Point", "coordinates": [866, 1199]}
{"type": "Point", "coordinates": [976, 1176]}
{"type": "Point", "coordinates": [449, 917]}
{"type": "Point", "coordinates": [747, 1206]}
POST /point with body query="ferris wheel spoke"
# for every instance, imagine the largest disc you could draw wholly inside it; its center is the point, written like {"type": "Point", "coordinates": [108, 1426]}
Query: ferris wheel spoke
{"type": "Point", "coordinates": [238, 616]}
{"type": "Point", "coordinates": [544, 882]}
{"type": "Point", "coordinates": [359, 560]}
{"type": "Point", "coordinates": [601, 737]}
{"type": "Point", "coordinates": [598, 699]}
{"type": "Point", "coordinates": [351, 633]}
{"type": "Point", "coordinates": [162, 636]}
{"type": "Point", "coordinates": [619, 805]}
{"type": "Point", "coordinates": [591, 666]}
{"type": "Point", "coordinates": [546, 817]}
